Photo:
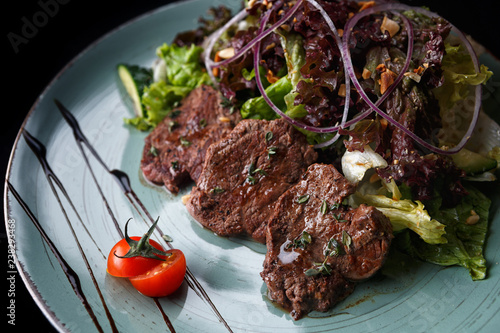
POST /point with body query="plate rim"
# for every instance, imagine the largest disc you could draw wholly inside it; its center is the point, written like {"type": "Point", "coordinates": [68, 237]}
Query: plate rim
{"type": "Point", "coordinates": [33, 290]}
{"type": "Point", "coordinates": [25, 276]}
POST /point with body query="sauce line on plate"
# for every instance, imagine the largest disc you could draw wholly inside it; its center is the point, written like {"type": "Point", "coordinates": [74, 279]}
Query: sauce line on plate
{"type": "Point", "coordinates": [71, 275]}
{"type": "Point", "coordinates": [124, 182]}
{"type": "Point", "coordinates": [40, 152]}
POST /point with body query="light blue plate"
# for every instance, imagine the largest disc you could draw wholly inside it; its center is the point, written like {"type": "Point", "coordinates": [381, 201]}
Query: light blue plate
{"type": "Point", "coordinates": [426, 298]}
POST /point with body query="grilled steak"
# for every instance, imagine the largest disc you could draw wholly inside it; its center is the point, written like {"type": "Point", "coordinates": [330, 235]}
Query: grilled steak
{"type": "Point", "coordinates": [317, 249]}
{"type": "Point", "coordinates": [244, 175]}
{"type": "Point", "coordinates": [174, 151]}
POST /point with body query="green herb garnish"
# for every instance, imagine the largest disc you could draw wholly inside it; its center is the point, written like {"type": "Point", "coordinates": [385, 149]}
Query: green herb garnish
{"type": "Point", "coordinates": [346, 239]}
{"type": "Point", "coordinates": [175, 113]}
{"type": "Point", "coordinates": [153, 151]}
{"type": "Point", "coordinates": [303, 198]}
{"type": "Point", "coordinates": [271, 151]}
{"type": "Point", "coordinates": [203, 123]}
{"type": "Point", "coordinates": [324, 207]}
{"type": "Point", "coordinates": [172, 125]}
{"type": "Point", "coordinates": [227, 104]}
{"type": "Point", "coordinates": [216, 190]}
{"type": "Point", "coordinates": [251, 180]}
{"type": "Point", "coordinates": [301, 241]}
{"type": "Point", "coordinates": [184, 142]}
{"type": "Point", "coordinates": [333, 249]}
{"type": "Point", "coordinates": [251, 171]}
{"type": "Point", "coordinates": [322, 268]}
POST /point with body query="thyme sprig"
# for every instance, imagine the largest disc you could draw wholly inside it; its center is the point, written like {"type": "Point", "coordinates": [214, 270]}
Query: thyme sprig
{"type": "Point", "coordinates": [333, 249]}
{"type": "Point", "coordinates": [301, 241]}
{"type": "Point", "coordinates": [252, 171]}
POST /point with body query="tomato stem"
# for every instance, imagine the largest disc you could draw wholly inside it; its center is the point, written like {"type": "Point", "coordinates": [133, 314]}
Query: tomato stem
{"type": "Point", "coordinates": [142, 247]}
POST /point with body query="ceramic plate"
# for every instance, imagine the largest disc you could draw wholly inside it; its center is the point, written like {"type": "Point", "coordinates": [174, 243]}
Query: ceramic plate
{"type": "Point", "coordinates": [225, 289]}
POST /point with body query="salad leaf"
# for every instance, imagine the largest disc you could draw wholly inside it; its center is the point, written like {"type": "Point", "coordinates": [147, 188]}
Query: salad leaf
{"type": "Point", "coordinates": [282, 92]}
{"type": "Point", "coordinates": [183, 66]}
{"type": "Point", "coordinates": [407, 214]}
{"type": "Point", "coordinates": [295, 59]}
{"type": "Point", "coordinates": [257, 107]}
{"type": "Point", "coordinates": [178, 72]}
{"type": "Point", "coordinates": [466, 229]}
{"type": "Point", "coordinates": [159, 98]}
{"type": "Point", "coordinates": [459, 74]}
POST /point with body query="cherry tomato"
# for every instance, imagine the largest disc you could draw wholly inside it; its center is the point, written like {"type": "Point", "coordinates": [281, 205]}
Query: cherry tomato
{"type": "Point", "coordinates": [163, 279]}
{"type": "Point", "coordinates": [127, 267]}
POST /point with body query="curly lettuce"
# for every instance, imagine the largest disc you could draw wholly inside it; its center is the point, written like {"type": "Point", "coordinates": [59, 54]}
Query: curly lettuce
{"type": "Point", "coordinates": [282, 92]}
{"type": "Point", "coordinates": [466, 230]}
{"type": "Point", "coordinates": [406, 214]}
{"type": "Point", "coordinates": [177, 73]}
{"type": "Point", "coordinates": [459, 75]}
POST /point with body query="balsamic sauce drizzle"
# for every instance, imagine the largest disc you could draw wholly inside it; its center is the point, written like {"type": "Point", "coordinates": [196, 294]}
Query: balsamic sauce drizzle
{"type": "Point", "coordinates": [124, 182]}
{"type": "Point", "coordinates": [40, 152]}
{"type": "Point", "coordinates": [71, 275]}
{"type": "Point", "coordinates": [164, 315]}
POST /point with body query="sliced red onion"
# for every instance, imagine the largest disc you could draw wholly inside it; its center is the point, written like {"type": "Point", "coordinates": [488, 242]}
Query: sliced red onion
{"type": "Point", "coordinates": [478, 91]}
{"type": "Point", "coordinates": [338, 40]}
{"type": "Point", "coordinates": [261, 35]}
{"type": "Point", "coordinates": [286, 117]}
{"type": "Point", "coordinates": [346, 59]}
{"type": "Point", "coordinates": [348, 68]}
{"type": "Point", "coordinates": [213, 39]}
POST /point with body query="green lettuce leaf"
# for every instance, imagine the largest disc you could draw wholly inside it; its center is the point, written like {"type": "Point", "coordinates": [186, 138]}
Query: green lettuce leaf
{"type": "Point", "coordinates": [459, 75]}
{"type": "Point", "coordinates": [466, 229]}
{"type": "Point", "coordinates": [282, 92]}
{"type": "Point", "coordinates": [159, 99]}
{"type": "Point", "coordinates": [181, 71]}
{"type": "Point", "coordinates": [406, 214]}
{"type": "Point", "coordinates": [257, 107]}
{"type": "Point", "coordinates": [182, 65]}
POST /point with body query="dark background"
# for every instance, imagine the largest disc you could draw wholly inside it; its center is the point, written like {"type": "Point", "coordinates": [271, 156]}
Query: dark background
{"type": "Point", "coordinates": [74, 27]}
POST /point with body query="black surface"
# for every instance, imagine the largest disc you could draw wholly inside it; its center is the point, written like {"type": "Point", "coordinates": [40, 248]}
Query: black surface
{"type": "Point", "coordinates": [72, 27]}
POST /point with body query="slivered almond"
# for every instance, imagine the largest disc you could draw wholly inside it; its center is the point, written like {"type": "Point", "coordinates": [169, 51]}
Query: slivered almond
{"type": "Point", "coordinates": [384, 123]}
{"type": "Point", "coordinates": [381, 68]}
{"type": "Point", "coordinates": [342, 90]}
{"type": "Point", "coordinates": [366, 74]}
{"type": "Point", "coordinates": [386, 80]}
{"type": "Point", "coordinates": [226, 53]}
{"type": "Point", "coordinates": [473, 218]}
{"type": "Point", "coordinates": [390, 26]}
{"type": "Point", "coordinates": [414, 76]}
{"type": "Point", "coordinates": [286, 27]}
{"type": "Point", "coordinates": [185, 198]}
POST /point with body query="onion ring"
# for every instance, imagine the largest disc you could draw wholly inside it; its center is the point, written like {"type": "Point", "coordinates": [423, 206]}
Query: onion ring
{"type": "Point", "coordinates": [478, 91]}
